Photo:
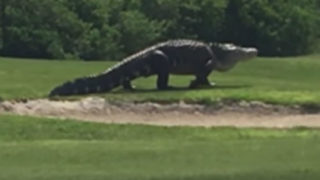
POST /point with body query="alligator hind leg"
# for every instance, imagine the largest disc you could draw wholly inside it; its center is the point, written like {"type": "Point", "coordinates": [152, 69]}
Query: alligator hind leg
{"type": "Point", "coordinates": [202, 76]}
{"type": "Point", "coordinates": [162, 82]}
{"type": "Point", "coordinates": [161, 67]}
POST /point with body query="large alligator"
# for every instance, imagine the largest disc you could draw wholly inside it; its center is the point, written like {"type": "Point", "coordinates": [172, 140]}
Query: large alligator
{"type": "Point", "coordinates": [170, 57]}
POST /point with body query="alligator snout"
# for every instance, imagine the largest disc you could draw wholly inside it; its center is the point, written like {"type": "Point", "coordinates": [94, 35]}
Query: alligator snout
{"type": "Point", "coordinates": [252, 51]}
{"type": "Point", "coordinates": [249, 53]}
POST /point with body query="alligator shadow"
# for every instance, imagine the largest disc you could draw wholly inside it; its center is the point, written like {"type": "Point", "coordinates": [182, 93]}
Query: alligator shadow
{"type": "Point", "coordinates": [174, 89]}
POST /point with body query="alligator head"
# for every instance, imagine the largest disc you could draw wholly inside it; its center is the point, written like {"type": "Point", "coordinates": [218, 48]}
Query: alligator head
{"type": "Point", "coordinates": [228, 55]}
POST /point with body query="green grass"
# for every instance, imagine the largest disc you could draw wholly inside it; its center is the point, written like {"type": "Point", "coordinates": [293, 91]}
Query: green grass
{"type": "Point", "coordinates": [274, 80]}
{"type": "Point", "coordinates": [43, 149]}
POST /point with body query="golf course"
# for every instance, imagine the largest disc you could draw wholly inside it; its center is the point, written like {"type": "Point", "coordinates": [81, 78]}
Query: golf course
{"type": "Point", "coordinates": [159, 90]}
{"type": "Point", "coordinates": [54, 148]}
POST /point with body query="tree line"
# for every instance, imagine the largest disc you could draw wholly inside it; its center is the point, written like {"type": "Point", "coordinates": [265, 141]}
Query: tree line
{"type": "Point", "coordinates": [112, 29]}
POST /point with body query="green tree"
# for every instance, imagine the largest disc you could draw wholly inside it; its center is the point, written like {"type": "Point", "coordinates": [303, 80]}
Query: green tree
{"type": "Point", "coordinates": [102, 39]}
{"type": "Point", "coordinates": [275, 27]}
{"type": "Point", "coordinates": [187, 18]}
{"type": "Point", "coordinates": [38, 28]}
{"type": "Point", "coordinates": [137, 31]}
{"type": "Point", "coordinates": [3, 24]}
{"type": "Point", "coordinates": [111, 29]}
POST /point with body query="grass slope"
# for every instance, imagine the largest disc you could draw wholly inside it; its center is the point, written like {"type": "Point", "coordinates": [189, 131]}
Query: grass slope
{"type": "Point", "coordinates": [274, 80]}
{"type": "Point", "coordinates": [34, 149]}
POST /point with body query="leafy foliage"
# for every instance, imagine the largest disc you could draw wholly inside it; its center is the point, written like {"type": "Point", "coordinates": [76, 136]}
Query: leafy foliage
{"type": "Point", "coordinates": [275, 27]}
{"type": "Point", "coordinates": [110, 29]}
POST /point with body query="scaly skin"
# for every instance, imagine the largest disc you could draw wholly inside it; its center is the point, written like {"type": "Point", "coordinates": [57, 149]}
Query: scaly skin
{"type": "Point", "coordinates": [185, 57]}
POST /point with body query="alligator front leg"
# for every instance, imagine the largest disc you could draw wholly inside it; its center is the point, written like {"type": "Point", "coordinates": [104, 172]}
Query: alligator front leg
{"type": "Point", "coordinates": [202, 76]}
{"type": "Point", "coordinates": [201, 83]}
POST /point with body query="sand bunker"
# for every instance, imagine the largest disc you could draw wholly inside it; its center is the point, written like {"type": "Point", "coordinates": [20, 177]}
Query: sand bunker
{"type": "Point", "coordinates": [237, 114]}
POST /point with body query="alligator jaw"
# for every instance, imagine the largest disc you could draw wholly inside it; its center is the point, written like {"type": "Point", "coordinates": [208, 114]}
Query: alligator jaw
{"type": "Point", "coordinates": [250, 53]}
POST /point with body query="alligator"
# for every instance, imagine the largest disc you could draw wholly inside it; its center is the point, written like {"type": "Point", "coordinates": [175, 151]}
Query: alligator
{"type": "Point", "coordinates": [184, 57]}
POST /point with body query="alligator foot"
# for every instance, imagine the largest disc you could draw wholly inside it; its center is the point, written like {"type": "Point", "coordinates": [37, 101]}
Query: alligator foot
{"type": "Point", "coordinates": [201, 84]}
{"type": "Point", "coordinates": [209, 85]}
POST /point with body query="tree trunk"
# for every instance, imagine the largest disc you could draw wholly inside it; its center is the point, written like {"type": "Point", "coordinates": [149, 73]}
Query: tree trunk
{"type": "Point", "coordinates": [3, 20]}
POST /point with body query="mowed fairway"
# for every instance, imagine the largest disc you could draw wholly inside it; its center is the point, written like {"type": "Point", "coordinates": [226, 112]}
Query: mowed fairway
{"type": "Point", "coordinates": [274, 80]}
{"type": "Point", "coordinates": [41, 149]}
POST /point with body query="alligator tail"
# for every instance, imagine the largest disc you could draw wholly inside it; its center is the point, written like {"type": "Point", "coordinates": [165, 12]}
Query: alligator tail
{"type": "Point", "coordinates": [85, 85]}
{"type": "Point", "coordinates": [104, 82]}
